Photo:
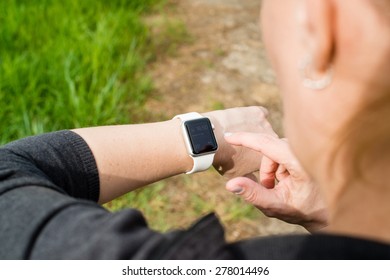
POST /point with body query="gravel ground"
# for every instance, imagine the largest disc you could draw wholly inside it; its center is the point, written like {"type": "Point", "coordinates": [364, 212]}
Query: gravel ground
{"type": "Point", "coordinates": [224, 66]}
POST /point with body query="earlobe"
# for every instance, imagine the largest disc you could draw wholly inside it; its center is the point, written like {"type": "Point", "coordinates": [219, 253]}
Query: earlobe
{"type": "Point", "coordinates": [314, 82]}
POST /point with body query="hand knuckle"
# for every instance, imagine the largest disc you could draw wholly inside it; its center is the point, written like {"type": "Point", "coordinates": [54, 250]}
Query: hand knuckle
{"type": "Point", "coordinates": [251, 197]}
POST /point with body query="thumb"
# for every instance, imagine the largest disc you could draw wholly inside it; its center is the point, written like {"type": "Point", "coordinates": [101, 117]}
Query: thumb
{"type": "Point", "coordinates": [249, 190]}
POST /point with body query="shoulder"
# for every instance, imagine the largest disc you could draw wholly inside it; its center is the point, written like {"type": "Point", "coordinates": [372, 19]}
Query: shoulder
{"type": "Point", "coordinates": [317, 246]}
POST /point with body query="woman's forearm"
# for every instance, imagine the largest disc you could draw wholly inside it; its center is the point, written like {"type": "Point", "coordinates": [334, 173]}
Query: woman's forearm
{"type": "Point", "coordinates": [131, 156]}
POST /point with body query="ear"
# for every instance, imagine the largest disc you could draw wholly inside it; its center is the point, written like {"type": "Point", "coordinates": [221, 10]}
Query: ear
{"type": "Point", "coordinates": [318, 33]}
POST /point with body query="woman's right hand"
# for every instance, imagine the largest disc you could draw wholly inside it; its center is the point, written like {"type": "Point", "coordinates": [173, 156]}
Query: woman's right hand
{"type": "Point", "coordinates": [232, 161]}
{"type": "Point", "coordinates": [285, 191]}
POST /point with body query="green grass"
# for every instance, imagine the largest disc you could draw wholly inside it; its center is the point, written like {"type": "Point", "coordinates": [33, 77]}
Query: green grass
{"type": "Point", "coordinates": [71, 63]}
{"type": "Point", "coordinates": [77, 63]}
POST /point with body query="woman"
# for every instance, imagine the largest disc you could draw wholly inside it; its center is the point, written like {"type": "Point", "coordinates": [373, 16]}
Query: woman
{"type": "Point", "coordinates": [51, 184]}
{"type": "Point", "coordinates": [336, 98]}
{"type": "Point", "coordinates": [332, 62]}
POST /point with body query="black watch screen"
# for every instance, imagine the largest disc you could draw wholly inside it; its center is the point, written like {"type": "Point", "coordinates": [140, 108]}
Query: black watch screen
{"type": "Point", "coordinates": [201, 136]}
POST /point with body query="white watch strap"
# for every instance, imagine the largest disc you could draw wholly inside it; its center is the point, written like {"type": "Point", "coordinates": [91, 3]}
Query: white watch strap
{"type": "Point", "coordinates": [202, 162]}
{"type": "Point", "coordinates": [189, 116]}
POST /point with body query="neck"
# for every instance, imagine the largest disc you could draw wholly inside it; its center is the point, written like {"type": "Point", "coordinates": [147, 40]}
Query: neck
{"type": "Point", "coordinates": [361, 210]}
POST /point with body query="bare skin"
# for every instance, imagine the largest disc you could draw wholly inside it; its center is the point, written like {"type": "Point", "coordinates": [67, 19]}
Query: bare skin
{"type": "Point", "coordinates": [132, 156]}
{"type": "Point", "coordinates": [327, 31]}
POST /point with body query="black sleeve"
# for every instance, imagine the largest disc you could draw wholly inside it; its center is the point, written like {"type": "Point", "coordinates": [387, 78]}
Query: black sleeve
{"type": "Point", "coordinates": [48, 191]}
{"type": "Point", "coordinates": [60, 160]}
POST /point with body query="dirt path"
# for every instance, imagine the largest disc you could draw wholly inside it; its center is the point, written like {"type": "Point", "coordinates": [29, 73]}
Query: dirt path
{"type": "Point", "coordinates": [223, 67]}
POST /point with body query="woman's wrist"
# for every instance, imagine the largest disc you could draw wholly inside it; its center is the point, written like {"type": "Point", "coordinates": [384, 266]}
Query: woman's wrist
{"type": "Point", "coordinates": [184, 160]}
{"type": "Point", "coordinates": [222, 154]}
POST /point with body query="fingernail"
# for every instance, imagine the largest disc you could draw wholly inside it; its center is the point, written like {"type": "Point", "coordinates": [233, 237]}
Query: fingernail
{"type": "Point", "coordinates": [237, 190]}
{"type": "Point", "coordinates": [227, 134]}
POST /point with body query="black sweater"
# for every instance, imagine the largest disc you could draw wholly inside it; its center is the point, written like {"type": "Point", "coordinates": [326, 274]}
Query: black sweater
{"type": "Point", "coordinates": [49, 187]}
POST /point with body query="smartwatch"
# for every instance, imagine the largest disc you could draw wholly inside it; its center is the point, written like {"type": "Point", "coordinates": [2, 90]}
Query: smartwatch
{"type": "Point", "coordinates": [200, 141]}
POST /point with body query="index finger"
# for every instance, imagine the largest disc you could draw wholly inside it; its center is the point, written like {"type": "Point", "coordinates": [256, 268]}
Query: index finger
{"type": "Point", "coordinates": [272, 147]}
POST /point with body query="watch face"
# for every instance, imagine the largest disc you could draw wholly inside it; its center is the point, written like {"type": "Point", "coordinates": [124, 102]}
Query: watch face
{"type": "Point", "coordinates": [201, 136]}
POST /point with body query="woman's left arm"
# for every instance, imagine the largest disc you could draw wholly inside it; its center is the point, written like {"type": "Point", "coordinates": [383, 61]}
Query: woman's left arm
{"type": "Point", "coordinates": [131, 156]}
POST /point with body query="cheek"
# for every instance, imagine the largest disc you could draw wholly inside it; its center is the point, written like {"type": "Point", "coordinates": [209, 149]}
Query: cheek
{"type": "Point", "coordinates": [280, 31]}
{"type": "Point", "coordinates": [268, 30]}
{"type": "Point", "coordinates": [278, 35]}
